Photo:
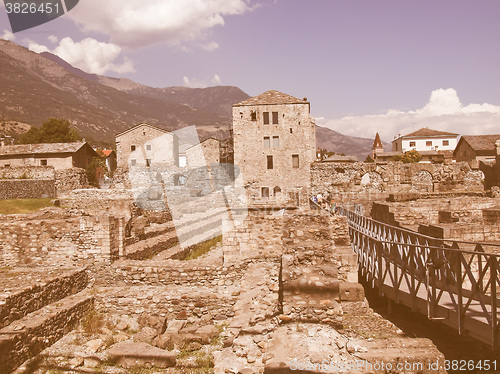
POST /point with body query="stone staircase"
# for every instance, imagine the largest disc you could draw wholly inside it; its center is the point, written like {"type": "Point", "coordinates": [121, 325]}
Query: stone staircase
{"type": "Point", "coordinates": [38, 315]}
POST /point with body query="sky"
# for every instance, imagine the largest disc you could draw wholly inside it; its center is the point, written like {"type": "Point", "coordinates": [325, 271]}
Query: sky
{"type": "Point", "coordinates": [366, 66]}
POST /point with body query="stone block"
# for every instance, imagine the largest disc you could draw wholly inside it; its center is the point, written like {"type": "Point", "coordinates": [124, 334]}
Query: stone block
{"type": "Point", "coordinates": [351, 292]}
{"type": "Point", "coordinates": [132, 354]}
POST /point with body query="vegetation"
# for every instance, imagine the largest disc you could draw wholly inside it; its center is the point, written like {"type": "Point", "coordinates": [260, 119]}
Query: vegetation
{"type": "Point", "coordinates": [97, 162]}
{"type": "Point", "coordinates": [411, 157]}
{"type": "Point", "coordinates": [54, 130]}
{"type": "Point", "coordinates": [22, 206]}
{"type": "Point", "coordinates": [200, 249]}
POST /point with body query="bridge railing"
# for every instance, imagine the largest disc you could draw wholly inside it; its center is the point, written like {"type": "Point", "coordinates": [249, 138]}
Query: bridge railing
{"type": "Point", "coordinates": [410, 265]}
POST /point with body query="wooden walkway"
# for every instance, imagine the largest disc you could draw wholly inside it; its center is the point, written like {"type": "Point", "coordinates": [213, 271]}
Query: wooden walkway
{"type": "Point", "coordinates": [460, 288]}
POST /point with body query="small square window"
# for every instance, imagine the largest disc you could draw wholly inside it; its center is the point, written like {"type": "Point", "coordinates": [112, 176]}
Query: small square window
{"type": "Point", "coordinates": [132, 148]}
{"type": "Point", "coordinates": [43, 162]}
{"type": "Point", "coordinates": [267, 142]}
{"type": "Point", "coordinates": [270, 162]}
{"type": "Point", "coordinates": [148, 147]}
{"type": "Point", "coordinates": [264, 192]}
{"type": "Point", "coordinates": [253, 115]}
{"type": "Point", "coordinates": [276, 141]}
{"type": "Point", "coordinates": [295, 161]}
{"type": "Point", "coordinates": [446, 142]}
{"type": "Point", "coordinates": [412, 144]}
{"type": "Point", "coordinates": [428, 143]}
{"type": "Point", "coordinates": [275, 118]}
{"type": "Point", "coordinates": [133, 162]}
{"type": "Point", "coordinates": [266, 118]}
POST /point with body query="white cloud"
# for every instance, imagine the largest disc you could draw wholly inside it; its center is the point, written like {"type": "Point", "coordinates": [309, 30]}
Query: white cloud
{"type": "Point", "coordinates": [89, 55]}
{"type": "Point", "coordinates": [7, 35]}
{"type": "Point", "coordinates": [134, 24]}
{"type": "Point", "coordinates": [53, 38]}
{"type": "Point", "coordinates": [202, 83]}
{"type": "Point", "coordinates": [444, 111]}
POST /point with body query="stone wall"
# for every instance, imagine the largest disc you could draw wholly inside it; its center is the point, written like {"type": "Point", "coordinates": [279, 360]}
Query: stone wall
{"type": "Point", "coordinates": [28, 299]}
{"type": "Point", "coordinates": [28, 172]}
{"type": "Point", "coordinates": [345, 180]}
{"type": "Point", "coordinates": [70, 179]}
{"type": "Point", "coordinates": [52, 238]}
{"type": "Point", "coordinates": [27, 189]}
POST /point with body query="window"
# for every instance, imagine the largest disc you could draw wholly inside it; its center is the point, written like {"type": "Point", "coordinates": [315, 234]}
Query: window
{"type": "Point", "coordinates": [291, 130]}
{"type": "Point", "coordinates": [253, 115]}
{"type": "Point", "coordinates": [412, 144]}
{"type": "Point", "coordinates": [295, 161]}
{"type": "Point", "coordinates": [276, 141]}
{"type": "Point", "coordinates": [132, 148]}
{"type": "Point", "coordinates": [133, 162]}
{"type": "Point", "coordinates": [428, 143]}
{"type": "Point", "coordinates": [148, 162]}
{"type": "Point", "coordinates": [182, 161]}
{"type": "Point", "coordinates": [179, 180]}
{"type": "Point", "coordinates": [270, 162]}
{"type": "Point", "coordinates": [264, 191]}
{"type": "Point", "coordinates": [43, 162]}
{"type": "Point", "coordinates": [267, 142]}
{"type": "Point", "coordinates": [266, 118]}
{"type": "Point", "coordinates": [148, 147]}
{"type": "Point", "coordinates": [277, 190]}
{"type": "Point", "coordinates": [275, 118]}
{"type": "Point", "coordinates": [446, 142]}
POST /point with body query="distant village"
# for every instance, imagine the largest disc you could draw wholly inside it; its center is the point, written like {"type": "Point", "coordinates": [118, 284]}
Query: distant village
{"type": "Point", "coordinates": [272, 143]}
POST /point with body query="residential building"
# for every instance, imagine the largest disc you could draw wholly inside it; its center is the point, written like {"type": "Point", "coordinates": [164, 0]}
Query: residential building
{"type": "Point", "coordinates": [204, 154]}
{"type": "Point", "coordinates": [57, 155]}
{"type": "Point", "coordinates": [476, 147]}
{"type": "Point", "coordinates": [274, 146]}
{"type": "Point", "coordinates": [110, 158]}
{"type": "Point", "coordinates": [425, 139]}
{"type": "Point", "coordinates": [143, 144]}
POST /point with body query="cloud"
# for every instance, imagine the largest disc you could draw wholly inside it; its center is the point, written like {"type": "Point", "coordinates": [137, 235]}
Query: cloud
{"type": "Point", "coordinates": [134, 24]}
{"type": "Point", "coordinates": [444, 111]}
{"type": "Point", "coordinates": [89, 55]}
{"type": "Point", "coordinates": [7, 35]}
{"type": "Point", "coordinates": [197, 83]}
{"type": "Point", "coordinates": [53, 38]}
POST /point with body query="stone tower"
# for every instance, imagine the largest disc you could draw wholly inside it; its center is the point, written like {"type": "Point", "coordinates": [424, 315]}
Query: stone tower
{"type": "Point", "coordinates": [377, 146]}
{"type": "Point", "coordinates": [274, 146]}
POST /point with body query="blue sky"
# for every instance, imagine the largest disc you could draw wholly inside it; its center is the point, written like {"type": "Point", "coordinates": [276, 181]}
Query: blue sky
{"type": "Point", "coordinates": [390, 66]}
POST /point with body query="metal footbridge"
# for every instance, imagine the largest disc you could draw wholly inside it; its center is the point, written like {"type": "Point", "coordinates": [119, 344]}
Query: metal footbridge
{"type": "Point", "coordinates": [455, 282]}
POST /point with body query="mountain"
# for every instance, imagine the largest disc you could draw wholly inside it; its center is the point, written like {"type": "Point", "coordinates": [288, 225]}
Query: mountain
{"type": "Point", "coordinates": [35, 87]}
{"type": "Point", "coordinates": [349, 145]}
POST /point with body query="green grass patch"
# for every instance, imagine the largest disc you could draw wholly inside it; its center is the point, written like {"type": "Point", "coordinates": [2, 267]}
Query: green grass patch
{"type": "Point", "coordinates": [200, 249]}
{"type": "Point", "coordinates": [21, 206]}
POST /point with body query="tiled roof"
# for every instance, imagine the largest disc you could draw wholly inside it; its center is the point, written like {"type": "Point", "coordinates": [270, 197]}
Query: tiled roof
{"type": "Point", "coordinates": [481, 142]}
{"type": "Point", "coordinates": [43, 148]}
{"type": "Point", "coordinates": [377, 143]}
{"type": "Point", "coordinates": [140, 125]}
{"type": "Point", "coordinates": [107, 152]}
{"type": "Point", "coordinates": [424, 132]}
{"type": "Point", "coordinates": [270, 98]}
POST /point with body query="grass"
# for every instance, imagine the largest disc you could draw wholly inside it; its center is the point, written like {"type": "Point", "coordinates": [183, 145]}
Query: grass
{"type": "Point", "coordinates": [21, 206]}
{"type": "Point", "coordinates": [198, 250]}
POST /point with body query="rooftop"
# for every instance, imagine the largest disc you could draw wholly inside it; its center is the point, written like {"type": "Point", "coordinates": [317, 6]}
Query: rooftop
{"type": "Point", "coordinates": [481, 142]}
{"type": "Point", "coordinates": [426, 132]}
{"type": "Point", "coordinates": [272, 97]}
{"type": "Point", "coordinates": [42, 148]}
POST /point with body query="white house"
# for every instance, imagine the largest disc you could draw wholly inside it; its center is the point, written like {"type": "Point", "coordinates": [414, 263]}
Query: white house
{"type": "Point", "coordinates": [425, 139]}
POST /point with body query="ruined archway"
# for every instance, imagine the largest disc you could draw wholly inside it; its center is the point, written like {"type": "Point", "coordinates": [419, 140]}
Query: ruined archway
{"type": "Point", "coordinates": [422, 181]}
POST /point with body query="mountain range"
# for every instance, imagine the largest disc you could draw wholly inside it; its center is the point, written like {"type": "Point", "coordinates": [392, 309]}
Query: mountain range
{"type": "Point", "coordinates": [35, 87]}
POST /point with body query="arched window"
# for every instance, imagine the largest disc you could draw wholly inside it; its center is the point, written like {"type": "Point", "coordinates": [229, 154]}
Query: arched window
{"type": "Point", "coordinates": [277, 190]}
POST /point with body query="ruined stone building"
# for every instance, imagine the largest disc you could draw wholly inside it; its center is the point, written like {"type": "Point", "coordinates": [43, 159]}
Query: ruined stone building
{"type": "Point", "coordinates": [274, 146]}
{"type": "Point", "coordinates": [205, 153]}
{"type": "Point", "coordinates": [58, 155]}
{"type": "Point", "coordinates": [141, 144]}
